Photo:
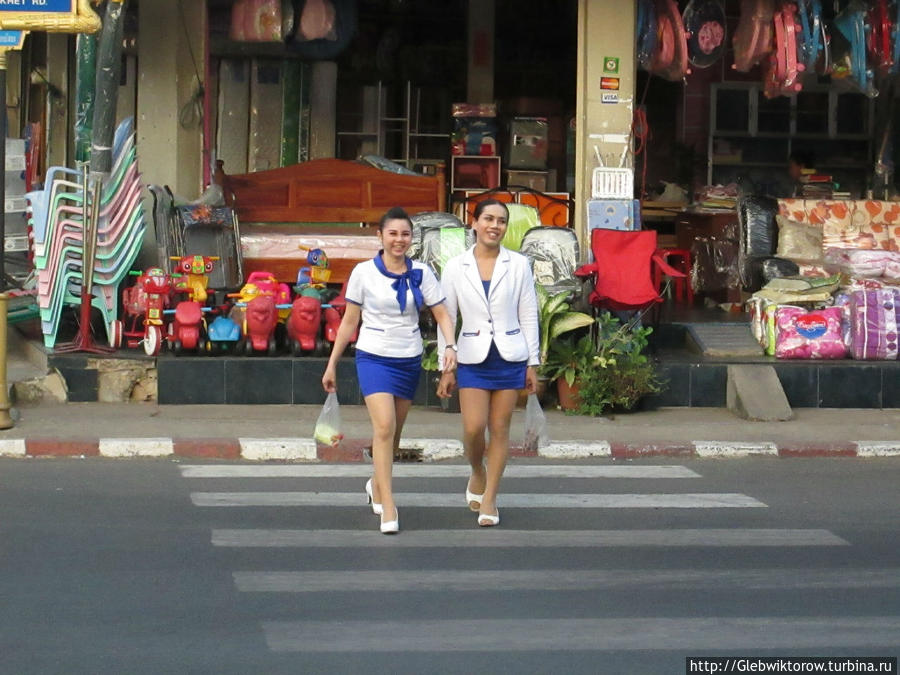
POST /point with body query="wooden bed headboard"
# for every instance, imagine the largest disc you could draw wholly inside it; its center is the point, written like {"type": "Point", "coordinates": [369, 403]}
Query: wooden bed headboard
{"type": "Point", "coordinates": [288, 202]}
{"type": "Point", "coordinates": [328, 191]}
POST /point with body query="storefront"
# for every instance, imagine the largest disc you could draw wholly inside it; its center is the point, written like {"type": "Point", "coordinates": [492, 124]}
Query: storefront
{"type": "Point", "coordinates": [554, 94]}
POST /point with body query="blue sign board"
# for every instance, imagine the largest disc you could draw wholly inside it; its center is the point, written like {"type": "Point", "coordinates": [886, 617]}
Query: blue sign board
{"type": "Point", "coordinates": [11, 38]}
{"type": "Point", "coordinates": [48, 6]}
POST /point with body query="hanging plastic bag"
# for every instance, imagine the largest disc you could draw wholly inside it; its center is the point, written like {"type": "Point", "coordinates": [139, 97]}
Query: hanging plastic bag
{"type": "Point", "coordinates": [535, 425]}
{"type": "Point", "coordinates": [328, 426]}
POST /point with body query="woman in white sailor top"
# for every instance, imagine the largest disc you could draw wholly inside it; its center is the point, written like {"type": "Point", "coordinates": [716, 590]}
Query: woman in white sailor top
{"type": "Point", "coordinates": [387, 293]}
{"type": "Point", "coordinates": [493, 289]}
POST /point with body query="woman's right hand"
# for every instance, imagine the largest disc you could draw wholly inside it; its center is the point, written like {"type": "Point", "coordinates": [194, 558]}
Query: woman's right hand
{"type": "Point", "coordinates": [329, 379]}
{"type": "Point", "coordinates": [446, 385]}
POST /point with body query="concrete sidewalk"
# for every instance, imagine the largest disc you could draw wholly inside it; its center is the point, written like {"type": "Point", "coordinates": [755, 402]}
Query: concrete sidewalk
{"type": "Point", "coordinates": [284, 432]}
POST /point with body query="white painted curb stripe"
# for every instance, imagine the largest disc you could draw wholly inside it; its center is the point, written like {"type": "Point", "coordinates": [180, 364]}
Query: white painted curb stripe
{"type": "Point", "coordinates": [388, 581]}
{"type": "Point", "coordinates": [12, 447]}
{"type": "Point", "coordinates": [574, 449]}
{"type": "Point", "coordinates": [355, 470]}
{"type": "Point", "coordinates": [136, 447]}
{"type": "Point", "coordinates": [734, 449]}
{"type": "Point", "coordinates": [619, 634]}
{"type": "Point", "coordinates": [505, 538]}
{"type": "Point", "coordinates": [878, 448]}
{"type": "Point", "coordinates": [515, 501]}
{"type": "Point", "coordinates": [279, 448]}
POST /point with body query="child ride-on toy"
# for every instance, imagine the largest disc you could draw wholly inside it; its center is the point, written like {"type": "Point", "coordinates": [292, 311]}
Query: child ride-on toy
{"type": "Point", "coordinates": [145, 304]}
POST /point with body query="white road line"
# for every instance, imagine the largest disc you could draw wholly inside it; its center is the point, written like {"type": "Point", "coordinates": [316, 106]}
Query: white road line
{"type": "Point", "coordinates": [696, 500]}
{"type": "Point", "coordinates": [501, 635]}
{"type": "Point", "coordinates": [878, 448]}
{"type": "Point", "coordinates": [430, 471]}
{"type": "Point", "coordinates": [501, 537]}
{"type": "Point", "coordinates": [12, 447]}
{"type": "Point", "coordinates": [316, 581]}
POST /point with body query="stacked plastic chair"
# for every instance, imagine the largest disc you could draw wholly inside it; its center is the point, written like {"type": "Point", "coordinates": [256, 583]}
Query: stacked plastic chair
{"type": "Point", "coordinates": [59, 222]}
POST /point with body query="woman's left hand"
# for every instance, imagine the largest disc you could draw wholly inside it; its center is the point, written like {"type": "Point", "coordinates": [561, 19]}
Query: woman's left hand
{"type": "Point", "coordinates": [531, 380]}
{"type": "Point", "coordinates": [449, 360]}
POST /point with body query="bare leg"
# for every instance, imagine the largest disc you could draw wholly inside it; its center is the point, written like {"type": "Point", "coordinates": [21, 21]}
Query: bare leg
{"type": "Point", "coordinates": [474, 405]}
{"type": "Point", "coordinates": [502, 404]}
{"type": "Point", "coordinates": [384, 426]}
{"type": "Point", "coordinates": [401, 408]}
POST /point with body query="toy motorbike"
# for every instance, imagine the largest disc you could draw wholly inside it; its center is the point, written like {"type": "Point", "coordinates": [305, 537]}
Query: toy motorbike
{"type": "Point", "coordinates": [304, 326]}
{"type": "Point", "coordinates": [222, 335]}
{"type": "Point", "coordinates": [260, 319]}
{"type": "Point", "coordinates": [334, 313]}
{"type": "Point", "coordinates": [145, 304]}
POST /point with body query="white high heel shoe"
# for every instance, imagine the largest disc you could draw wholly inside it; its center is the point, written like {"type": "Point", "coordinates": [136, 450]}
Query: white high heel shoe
{"type": "Point", "coordinates": [487, 520]}
{"type": "Point", "coordinates": [473, 500]}
{"type": "Point", "coordinates": [391, 526]}
{"type": "Point", "coordinates": [376, 507]}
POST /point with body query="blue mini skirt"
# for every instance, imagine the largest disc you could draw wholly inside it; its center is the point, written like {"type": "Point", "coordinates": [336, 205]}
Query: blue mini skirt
{"type": "Point", "coordinates": [385, 374]}
{"type": "Point", "coordinates": [493, 374]}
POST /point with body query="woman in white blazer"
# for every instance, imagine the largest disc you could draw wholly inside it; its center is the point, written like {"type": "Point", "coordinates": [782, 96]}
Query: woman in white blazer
{"type": "Point", "coordinates": [387, 294]}
{"type": "Point", "coordinates": [497, 349]}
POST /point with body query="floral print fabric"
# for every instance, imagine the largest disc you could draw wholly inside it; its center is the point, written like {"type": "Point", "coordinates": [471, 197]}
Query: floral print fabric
{"type": "Point", "coordinates": [861, 224]}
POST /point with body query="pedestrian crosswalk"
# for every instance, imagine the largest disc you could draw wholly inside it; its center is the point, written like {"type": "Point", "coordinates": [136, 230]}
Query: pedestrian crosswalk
{"type": "Point", "coordinates": [524, 561]}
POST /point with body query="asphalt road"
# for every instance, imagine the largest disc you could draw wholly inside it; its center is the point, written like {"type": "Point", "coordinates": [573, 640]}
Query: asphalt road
{"type": "Point", "coordinates": [157, 566]}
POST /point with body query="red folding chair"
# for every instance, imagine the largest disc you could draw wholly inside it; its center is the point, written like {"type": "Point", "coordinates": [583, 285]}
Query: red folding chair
{"type": "Point", "coordinates": [624, 268]}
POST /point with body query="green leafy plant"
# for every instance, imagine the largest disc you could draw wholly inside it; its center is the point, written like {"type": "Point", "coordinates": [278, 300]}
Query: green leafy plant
{"type": "Point", "coordinates": [556, 317]}
{"type": "Point", "coordinates": [608, 365]}
{"type": "Point", "coordinates": [429, 355]}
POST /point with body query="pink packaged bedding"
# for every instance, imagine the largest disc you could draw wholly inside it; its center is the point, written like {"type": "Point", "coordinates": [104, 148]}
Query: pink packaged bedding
{"type": "Point", "coordinates": [802, 334]}
{"type": "Point", "coordinates": [874, 315]}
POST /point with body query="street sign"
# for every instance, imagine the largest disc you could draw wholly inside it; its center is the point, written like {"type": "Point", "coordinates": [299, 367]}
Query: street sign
{"type": "Point", "coordinates": [12, 39]}
{"type": "Point", "coordinates": [54, 6]}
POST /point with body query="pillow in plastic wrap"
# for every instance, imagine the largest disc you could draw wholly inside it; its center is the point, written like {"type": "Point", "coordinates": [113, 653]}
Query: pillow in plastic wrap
{"type": "Point", "coordinates": [803, 334]}
{"type": "Point", "coordinates": [874, 317]}
{"type": "Point", "coordinates": [799, 242]}
{"type": "Point", "coordinates": [842, 302]}
{"type": "Point", "coordinates": [714, 264]}
{"type": "Point", "coordinates": [756, 216]}
{"type": "Point", "coordinates": [866, 264]}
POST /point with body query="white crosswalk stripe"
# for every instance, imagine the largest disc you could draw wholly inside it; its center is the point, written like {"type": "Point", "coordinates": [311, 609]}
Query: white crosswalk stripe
{"type": "Point", "coordinates": [442, 580]}
{"type": "Point", "coordinates": [507, 635]}
{"type": "Point", "coordinates": [309, 547]}
{"type": "Point", "coordinates": [507, 501]}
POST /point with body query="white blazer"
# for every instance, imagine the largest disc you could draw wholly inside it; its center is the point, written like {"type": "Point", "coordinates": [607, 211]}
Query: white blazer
{"type": "Point", "coordinates": [509, 316]}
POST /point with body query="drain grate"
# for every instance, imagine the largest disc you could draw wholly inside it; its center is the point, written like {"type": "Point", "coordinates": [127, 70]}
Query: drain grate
{"type": "Point", "coordinates": [403, 455]}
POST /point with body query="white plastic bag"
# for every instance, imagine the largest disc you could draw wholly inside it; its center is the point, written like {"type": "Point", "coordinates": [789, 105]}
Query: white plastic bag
{"type": "Point", "coordinates": [535, 425]}
{"type": "Point", "coordinates": [328, 426]}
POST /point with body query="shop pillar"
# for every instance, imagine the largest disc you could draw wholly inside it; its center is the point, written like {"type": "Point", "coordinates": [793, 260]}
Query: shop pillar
{"type": "Point", "coordinates": [170, 152]}
{"type": "Point", "coordinates": [603, 113]}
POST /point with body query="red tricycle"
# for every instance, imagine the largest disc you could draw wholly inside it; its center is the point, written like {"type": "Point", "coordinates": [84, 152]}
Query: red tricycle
{"type": "Point", "coordinates": [145, 304]}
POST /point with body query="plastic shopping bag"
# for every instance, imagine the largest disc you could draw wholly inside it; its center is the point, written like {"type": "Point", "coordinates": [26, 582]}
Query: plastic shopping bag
{"type": "Point", "coordinates": [535, 425]}
{"type": "Point", "coordinates": [328, 426]}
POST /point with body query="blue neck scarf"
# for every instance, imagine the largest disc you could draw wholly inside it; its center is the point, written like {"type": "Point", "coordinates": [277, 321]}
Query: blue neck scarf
{"type": "Point", "coordinates": [410, 280]}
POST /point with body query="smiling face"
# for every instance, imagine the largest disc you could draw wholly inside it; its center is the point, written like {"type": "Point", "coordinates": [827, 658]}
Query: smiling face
{"type": "Point", "coordinates": [396, 236]}
{"type": "Point", "coordinates": [490, 225]}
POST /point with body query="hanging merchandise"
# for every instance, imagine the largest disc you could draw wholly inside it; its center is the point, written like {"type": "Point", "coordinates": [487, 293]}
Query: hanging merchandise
{"type": "Point", "coordinates": [646, 33]}
{"type": "Point", "coordinates": [256, 21]}
{"type": "Point", "coordinates": [670, 60]}
{"type": "Point", "coordinates": [753, 37]}
{"type": "Point", "coordinates": [322, 29]}
{"type": "Point", "coordinates": [812, 41]}
{"type": "Point", "coordinates": [879, 43]}
{"type": "Point", "coordinates": [895, 37]}
{"type": "Point", "coordinates": [705, 22]}
{"type": "Point", "coordinates": [783, 73]}
{"type": "Point", "coordinates": [848, 51]}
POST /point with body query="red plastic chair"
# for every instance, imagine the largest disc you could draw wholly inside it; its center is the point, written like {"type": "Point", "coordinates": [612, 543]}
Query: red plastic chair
{"type": "Point", "coordinates": [624, 269]}
{"type": "Point", "coordinates": [680, 259]}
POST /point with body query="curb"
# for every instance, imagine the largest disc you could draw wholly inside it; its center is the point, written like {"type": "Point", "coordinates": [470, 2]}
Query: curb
{"type": "Point", "coordinates": [421, 449]}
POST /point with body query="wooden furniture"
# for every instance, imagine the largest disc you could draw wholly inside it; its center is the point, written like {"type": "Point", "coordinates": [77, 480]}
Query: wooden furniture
{"type": "Point", "coordinates": [325, 203]}
{"type": "Point", "coordinates": [692, 224]}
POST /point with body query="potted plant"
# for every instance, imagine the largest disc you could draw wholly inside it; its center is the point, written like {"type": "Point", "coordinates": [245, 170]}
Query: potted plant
{"type": "Point", "coordinates": [556, 318]}
{"type": "Point", "coordinates": [604, 369]}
